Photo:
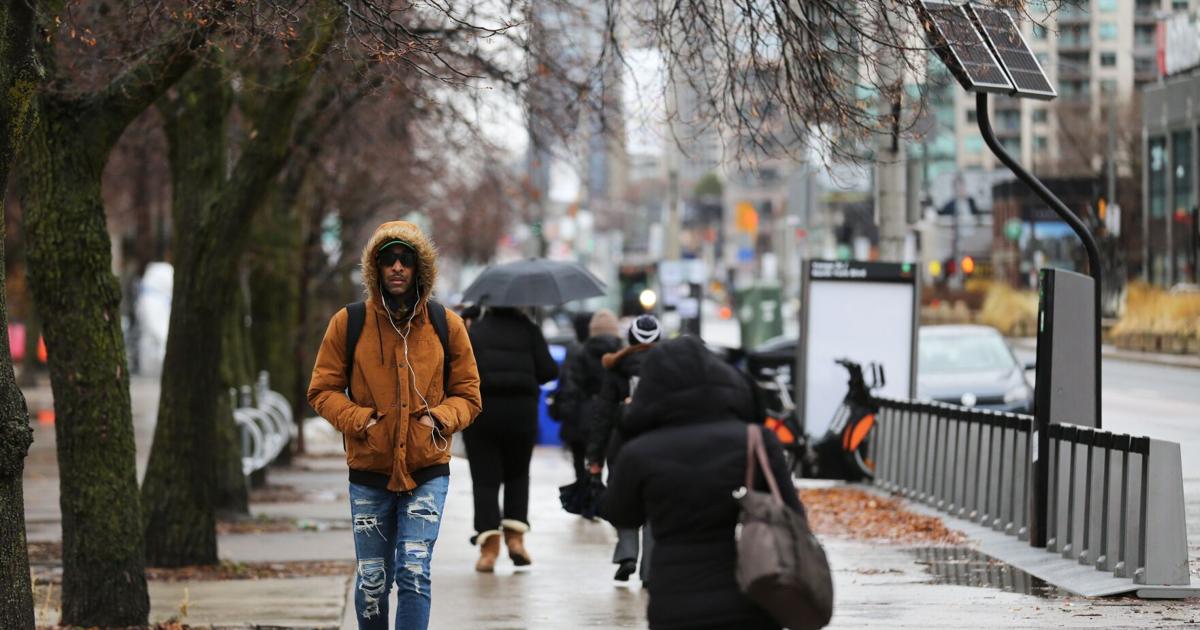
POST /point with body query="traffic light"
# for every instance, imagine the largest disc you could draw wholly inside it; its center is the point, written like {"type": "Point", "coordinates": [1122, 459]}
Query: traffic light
{"type": "Point", "coordinates": [968, 265]}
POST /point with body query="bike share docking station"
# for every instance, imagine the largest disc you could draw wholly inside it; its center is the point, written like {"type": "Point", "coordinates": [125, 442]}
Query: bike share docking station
{"type": "Point", "coordinates": [1090, 511]}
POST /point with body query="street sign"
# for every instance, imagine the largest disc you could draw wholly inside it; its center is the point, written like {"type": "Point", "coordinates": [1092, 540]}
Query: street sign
{"type": "Point", "coordinates": [1013, 229]}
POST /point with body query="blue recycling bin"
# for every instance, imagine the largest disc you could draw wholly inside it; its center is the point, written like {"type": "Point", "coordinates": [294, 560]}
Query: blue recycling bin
{"type": "Point", "coordinates": [547, 426]}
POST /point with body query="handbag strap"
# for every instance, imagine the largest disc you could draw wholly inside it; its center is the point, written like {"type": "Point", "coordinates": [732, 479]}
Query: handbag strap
{"type": "Point", "coordinates": [756, 451]}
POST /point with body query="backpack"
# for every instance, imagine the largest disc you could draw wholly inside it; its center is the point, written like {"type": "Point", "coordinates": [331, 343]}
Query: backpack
{"type": "Point", "coordinates": [358, 316]}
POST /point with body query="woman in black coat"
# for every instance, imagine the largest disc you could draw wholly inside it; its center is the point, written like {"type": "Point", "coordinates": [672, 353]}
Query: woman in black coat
{"type": "Point", "coordinates": [513, 361]}
{"type": "Point", "coordinates": [685, 457]}
{"type": "Point", "coordinates": [580, 383]}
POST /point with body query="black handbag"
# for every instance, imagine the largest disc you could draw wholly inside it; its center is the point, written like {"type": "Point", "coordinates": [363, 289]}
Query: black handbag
{"type": "Point", "coordinates": [781, 565]}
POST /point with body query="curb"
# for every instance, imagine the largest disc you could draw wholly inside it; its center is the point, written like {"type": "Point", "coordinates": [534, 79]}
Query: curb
{"type": "Point", "coordinates": [1108, 352]}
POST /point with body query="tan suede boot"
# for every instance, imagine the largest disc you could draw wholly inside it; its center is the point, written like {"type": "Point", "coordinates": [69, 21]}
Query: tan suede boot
{"type": "Point", "coordinates": [514, 539]}
{"type": "Point", "coordinates": [489, 550]}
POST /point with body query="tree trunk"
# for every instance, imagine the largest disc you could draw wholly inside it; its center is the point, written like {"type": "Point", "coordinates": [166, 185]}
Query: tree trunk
{"type": "Point", "coordinates": [232, 494]}
{"type": "Point", "coordinates": [211, 212]}
{"type": "Point", "coordinates": [181, 478]}
{"type": "Point", "coordinates": [18, 81]}
{"type": "Point", "coordinates": [70, 272]}
{"type": "Point", "coordinates": [273, 307]}
{"type": "Point", "coordinates": [308, 257]}
{"type": "Point", "coordinates": [78, 298]}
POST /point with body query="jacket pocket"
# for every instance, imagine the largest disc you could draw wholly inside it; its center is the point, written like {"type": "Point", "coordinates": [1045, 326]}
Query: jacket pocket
{"type": "Point", "coordinates": [372, 453]}
{"type": "Point", "coordinates": [422, 449]}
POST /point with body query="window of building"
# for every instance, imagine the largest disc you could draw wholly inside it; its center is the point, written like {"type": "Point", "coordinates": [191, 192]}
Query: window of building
{"type": "Point", "coordinates": [1157, 154]}
{"type": "Point", "coordinates": [973, 144]}
{"type": "Point", "coordinates": [1011, 145]}
{"type": "Point", "coordinates": [1179, 5]}
{"type": "Point", "coordinates": [1108, 86]}
{"type": "Point", "coordinates": [1181, 164]}
{"type": "Point", "coordinates": [1108, 30]}
{"type": "Point", "coordinates": [1107, 5]}
{"type": "Point", "coordinates": [1043, 59]}
{"type": "Point", "coordinates": [1144, 35]}
{"type": "Point", "coordinates": [1039, 31]}
{"type": "Point", "coordinates": [1108, 59]}
{"type": "Point", "coordinates": [1076, 89]}
{"type": "Point", "coordinates": [971, 116]}
{"type": "Point", "coordinates": [1039, 115]}
{"type": "Point", "coordinates": [1074, 37]}
{"type": "Point", "coordinates": [1009, 119]}
{"type": "Point", "coordinates": [1041, 143]}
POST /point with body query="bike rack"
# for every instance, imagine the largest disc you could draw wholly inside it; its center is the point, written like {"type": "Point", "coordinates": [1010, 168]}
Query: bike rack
{"type": "Point", "coordinates": [266, 427]}
{"type": "Point", "coordinates": [1116, 517]}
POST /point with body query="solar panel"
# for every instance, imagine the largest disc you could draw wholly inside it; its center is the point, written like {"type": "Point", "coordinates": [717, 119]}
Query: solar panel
{"type": "Point", "coordinates": [1013, 51]}
{"type": "Point", "coordinates": [960, 46]}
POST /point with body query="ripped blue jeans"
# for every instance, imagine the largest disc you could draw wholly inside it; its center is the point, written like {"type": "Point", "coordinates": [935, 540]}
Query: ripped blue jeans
{"type": "Point", "coordinates": [394, 535]}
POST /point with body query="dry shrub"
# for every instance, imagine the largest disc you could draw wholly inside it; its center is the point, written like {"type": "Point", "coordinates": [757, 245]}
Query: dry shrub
{"type": "Point", "coordinates": [1154, 311]}
{"type": "Point", "coordinates": [1012, 312]}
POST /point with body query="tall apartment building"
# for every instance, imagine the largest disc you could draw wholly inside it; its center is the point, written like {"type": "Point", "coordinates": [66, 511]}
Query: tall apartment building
{"type": "Point", "coordinates": [1095, 52]}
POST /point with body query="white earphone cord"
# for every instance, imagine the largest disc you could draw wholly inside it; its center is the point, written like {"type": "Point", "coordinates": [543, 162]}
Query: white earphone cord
{"type": "Point", "coordinates": [437, 433]}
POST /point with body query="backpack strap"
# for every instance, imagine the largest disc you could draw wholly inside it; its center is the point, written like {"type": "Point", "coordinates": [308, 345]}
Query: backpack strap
{"type": "Point", "coordinates": [354, 325]}
{"type": "Point", "coordinates": [437, 317]}
{"type": "Point", "coordinates": [358, 317]}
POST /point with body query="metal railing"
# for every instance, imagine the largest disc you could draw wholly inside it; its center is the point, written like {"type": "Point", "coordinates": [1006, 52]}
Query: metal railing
{"type": "Point", "coordinates": [1115, 502]}
{"type": "Point", "coordinates": [264, 418]}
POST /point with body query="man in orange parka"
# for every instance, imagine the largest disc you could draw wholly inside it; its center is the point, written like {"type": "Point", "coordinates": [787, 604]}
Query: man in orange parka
{"type": "Point", "coordinates": [398, 419]}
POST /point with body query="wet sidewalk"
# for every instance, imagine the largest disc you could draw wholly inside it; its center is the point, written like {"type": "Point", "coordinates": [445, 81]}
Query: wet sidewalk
{"type": "Point", "coordinates": [570, 583]}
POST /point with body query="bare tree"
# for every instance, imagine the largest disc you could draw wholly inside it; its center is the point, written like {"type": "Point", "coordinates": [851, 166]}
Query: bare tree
{"type": "Point", "coordinates": [18, 80]}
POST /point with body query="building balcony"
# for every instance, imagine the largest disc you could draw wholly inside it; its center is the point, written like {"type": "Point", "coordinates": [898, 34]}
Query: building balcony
{"type": "Point", "coordinates": [1075, 45]}
{"type": "Point", "coordinates": [1072, 15]}
{"type": "Point", "coordinates": [1005, 103]}
{"type": "Point", "coordinates": [1074, 72]}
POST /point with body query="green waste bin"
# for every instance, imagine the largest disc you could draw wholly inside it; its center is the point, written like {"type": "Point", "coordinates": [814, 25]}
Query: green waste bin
{"type": "Point", "coordinates": [760, 313]}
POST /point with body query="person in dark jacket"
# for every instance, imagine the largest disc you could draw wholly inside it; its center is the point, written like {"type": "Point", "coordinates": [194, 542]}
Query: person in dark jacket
{"type": "Point", "coordinates": [580, 384]}
{"type": "Point", "coordinates": [604, 442]}
{"type": "Point", "coordinates": [685, 455]}
{"type": "Point", "coordinates": [513, 361]}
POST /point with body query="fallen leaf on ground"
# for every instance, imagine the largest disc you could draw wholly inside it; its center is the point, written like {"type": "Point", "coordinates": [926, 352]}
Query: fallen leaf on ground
{"type": "Point", "coordinates": [860, 515]}
{"type": "Point", "coordinates": [227, 570]}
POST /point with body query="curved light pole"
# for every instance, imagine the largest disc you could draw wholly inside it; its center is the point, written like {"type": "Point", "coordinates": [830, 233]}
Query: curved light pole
{"type": "Point", "coordinates": [1089, 242]}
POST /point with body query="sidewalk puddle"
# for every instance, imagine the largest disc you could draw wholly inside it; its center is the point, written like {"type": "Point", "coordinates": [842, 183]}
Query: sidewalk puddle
{"type": "Point", "coordinates": [965, 566]}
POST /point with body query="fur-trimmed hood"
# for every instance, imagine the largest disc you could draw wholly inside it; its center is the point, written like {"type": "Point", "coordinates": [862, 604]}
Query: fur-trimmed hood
{"type": "Point", "coordinates": [613, 359]}
{"type": "Point", "coordinates": [426, 260]}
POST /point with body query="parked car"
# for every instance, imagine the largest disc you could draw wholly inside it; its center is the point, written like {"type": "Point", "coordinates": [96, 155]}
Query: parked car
{"type": "Point", "coordinates": [971, 366]}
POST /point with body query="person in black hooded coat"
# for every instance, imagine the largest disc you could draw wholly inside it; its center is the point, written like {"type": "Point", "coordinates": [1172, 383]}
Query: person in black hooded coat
{"type": "Point", "coordinates": [513, 361]}
{"type": "Point", "coordinates": [685, 455]}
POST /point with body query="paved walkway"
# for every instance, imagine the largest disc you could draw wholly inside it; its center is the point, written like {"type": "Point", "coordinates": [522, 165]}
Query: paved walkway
{"type": "Point", "coordinates": [569, 584]}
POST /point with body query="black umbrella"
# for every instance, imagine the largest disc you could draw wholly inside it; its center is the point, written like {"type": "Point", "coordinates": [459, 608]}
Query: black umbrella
{"type": "Point", "coordinates": [533, 282]}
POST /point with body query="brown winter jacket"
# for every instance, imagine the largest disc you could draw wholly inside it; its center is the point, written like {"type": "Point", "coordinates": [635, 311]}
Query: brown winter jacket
{"type": "Point", "coordinates": [398, 446]}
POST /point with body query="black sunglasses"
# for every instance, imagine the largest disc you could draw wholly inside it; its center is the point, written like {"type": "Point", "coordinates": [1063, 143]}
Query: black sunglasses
{"type": "Point", "coordinates": [407, 257]}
